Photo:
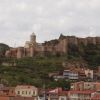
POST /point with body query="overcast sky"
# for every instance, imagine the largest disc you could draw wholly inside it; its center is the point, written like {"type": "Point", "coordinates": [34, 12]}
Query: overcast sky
{"type": "Point", "coordinates": [47, 19]}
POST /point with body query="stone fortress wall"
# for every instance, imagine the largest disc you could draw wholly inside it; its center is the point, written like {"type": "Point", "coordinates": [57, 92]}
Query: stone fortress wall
{"type": "Point", "coordinates": [57, 46]}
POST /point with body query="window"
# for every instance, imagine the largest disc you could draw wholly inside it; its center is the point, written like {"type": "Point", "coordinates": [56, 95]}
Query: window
{"type": "Point", "coordinates": [29, 92]}
{"type": "Point", "coordinates": [18, 92]}
{"type": "Point", "coordinates": [22, 92]}
{"type": "Point", "coordinates": [26, 92]}
{"type": "Point", "coordinates": [33, 92]}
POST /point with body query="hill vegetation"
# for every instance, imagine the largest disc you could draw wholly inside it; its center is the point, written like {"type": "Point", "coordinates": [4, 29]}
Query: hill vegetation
{"type": "Point", "coordinates": [3, 48]}
{"type": "Point", "coordinates": [35, 70]}
{"type": "Point", "coordinates": [89, 53]}
{"type": "Point", "coordinates": [31, 71]}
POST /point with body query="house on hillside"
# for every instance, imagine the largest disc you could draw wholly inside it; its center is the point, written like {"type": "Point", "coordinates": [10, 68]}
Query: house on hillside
{"type": "Point", "coordinates": [26, 91]}
{"type": "Point", "coordinates": [71, 75]}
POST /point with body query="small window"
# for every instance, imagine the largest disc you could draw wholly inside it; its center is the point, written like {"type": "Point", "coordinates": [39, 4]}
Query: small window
{"type": "Point", "coordinates": [29, 92]}
{"type": "Point", "coordinates": [18, 92]}
{"type": "Point", "coordinates": [22, 92]}
{"type": "Point", "coordinates": [33, 92]}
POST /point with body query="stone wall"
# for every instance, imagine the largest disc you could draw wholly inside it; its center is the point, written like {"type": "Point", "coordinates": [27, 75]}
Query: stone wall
{"type": "Point", "coordinates": [54, 46]}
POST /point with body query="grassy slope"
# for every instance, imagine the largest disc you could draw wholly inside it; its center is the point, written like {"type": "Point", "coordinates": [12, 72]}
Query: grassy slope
{"type": "Point", "coordinates": [31, 71]}
{"type": "Point", "coordinates": [35, 70]}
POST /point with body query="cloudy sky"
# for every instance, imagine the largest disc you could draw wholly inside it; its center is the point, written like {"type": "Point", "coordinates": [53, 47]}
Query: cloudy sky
{"type": "Point", "coordinates": [47, 18]}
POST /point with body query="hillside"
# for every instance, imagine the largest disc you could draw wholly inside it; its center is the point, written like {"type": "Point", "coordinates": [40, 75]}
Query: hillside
{"type": "Point", "coordinates": [89, 53]}
{"type": "Point", "coordinates": [31, 71]}
{"type": "Point", "coordinates": [35, 70]}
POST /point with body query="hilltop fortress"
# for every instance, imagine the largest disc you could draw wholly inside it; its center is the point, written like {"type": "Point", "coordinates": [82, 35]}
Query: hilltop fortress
{"type": "Point", "coordinates": [54, 47]}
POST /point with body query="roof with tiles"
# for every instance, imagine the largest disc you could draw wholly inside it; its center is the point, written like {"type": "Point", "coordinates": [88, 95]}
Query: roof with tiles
{"type": "Point", "coordinates": [25, 87]}
{"type": "Point", "coordinates": [57, 90]}
{"type": "Point", "coordinates": [63, 93]}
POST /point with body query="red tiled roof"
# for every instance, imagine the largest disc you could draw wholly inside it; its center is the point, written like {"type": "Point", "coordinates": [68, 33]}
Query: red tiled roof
{"type": "Point", "coordinates": [57, 90]}
{"type": "Point", "coordinates": [63, 93]}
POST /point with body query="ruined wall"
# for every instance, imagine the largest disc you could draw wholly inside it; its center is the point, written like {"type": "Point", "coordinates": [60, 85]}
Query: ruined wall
{"type": "Point", "coordinates": [62, 46]}
{"type": "Point", "coordinates": [53, 47]}
{"type": "Point", "coordinates": [91, 40]}
{"type": "Point", "coordinates": [32, 52]}
{"type": "Point", "coordinates": [82, 41]}
{"type": "Point", "coordinates": [97, 40]}
{"type": "Point", "coordinates": [11, 53]}
{"type": "Point", "coordinates": [20, 52]}
{"type": "Point", "coordinates": [72, 40]}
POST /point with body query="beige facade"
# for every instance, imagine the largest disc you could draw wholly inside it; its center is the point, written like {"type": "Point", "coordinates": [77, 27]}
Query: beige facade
{"type": "Point", "coordinates": [80, 95]}
{"type": "Point", "coordinates": [82, 86]}
{"type": "Point", "coordinates": [89, 73]}
{"type": "Point", "coordinates": [26, 91]}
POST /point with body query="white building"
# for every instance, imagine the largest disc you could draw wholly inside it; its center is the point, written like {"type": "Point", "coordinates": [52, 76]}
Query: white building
{"type": "Point", "coordinates": [89, 73]}
{"type": "Point", "coordinates": [72, 75]}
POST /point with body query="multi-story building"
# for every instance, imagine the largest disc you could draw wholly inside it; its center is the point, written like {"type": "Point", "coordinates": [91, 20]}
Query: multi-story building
{"type": "Point", "coordinates": [80, 86]}
{"type": "Point", "coordinates": [71, 75]}
{"type": "Point", "coordinates": [26, 91]}
{"type": "Point", "coordinates": [80, 95]}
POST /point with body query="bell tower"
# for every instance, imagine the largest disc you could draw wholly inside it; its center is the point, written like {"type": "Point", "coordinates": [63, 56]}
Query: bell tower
{"type": "Point", "coordinates": [33, 38]}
